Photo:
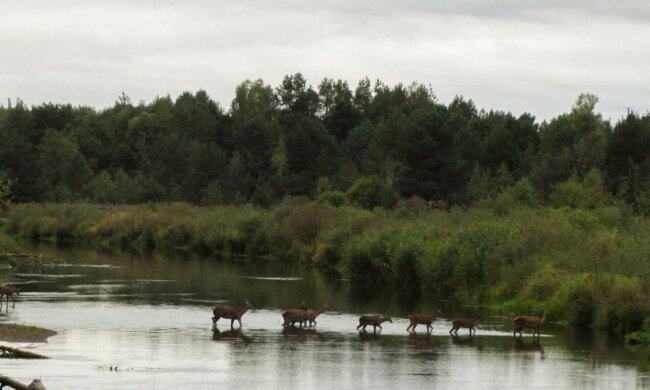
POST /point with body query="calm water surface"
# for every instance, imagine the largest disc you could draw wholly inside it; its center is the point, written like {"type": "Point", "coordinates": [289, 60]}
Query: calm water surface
{"type": "Point", "coordinates": [149, 316]}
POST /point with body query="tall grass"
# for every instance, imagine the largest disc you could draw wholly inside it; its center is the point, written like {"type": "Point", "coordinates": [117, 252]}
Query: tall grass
{"type": "Point", "coordinates": [588, 267]}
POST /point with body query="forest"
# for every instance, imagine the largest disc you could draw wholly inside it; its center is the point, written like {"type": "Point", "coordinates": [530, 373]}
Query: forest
{"type": "Point", "coordinates": [370, 145]}
{"type": "Point", "coordinates": [383, 186]}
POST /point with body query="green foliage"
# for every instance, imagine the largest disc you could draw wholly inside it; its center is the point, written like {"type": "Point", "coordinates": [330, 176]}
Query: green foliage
{"type": "Point", "coordinates": [6, 184]}
{"type": "Point", "coordinates": [396, 255]}
{"type": "Point", "coordinates": [279, 141]}
{"type": "Point", "coordinates": [588, 194]}
{"type": "Point", "coordinates": [370, 192]}
{"type": "Point", "coordinates": [642, 336]}
{"type": "Point", "coordinates": [472, 253]}
{"type": "Point", "coordinates": [333, 198]}
{"type": "Point", "coordinates": [576, 300]}
{"type": "Point", "coordinates": [520, 306]}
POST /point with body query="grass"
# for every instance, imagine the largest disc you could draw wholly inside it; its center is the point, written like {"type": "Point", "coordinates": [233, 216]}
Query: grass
{"type": "Point", "coordinates": [16, 333]}
{"type": "Point", "coordinates": [586, 267]}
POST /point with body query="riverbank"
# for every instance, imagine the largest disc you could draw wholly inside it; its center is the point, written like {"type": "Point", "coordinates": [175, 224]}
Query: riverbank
{"type": "Point", "coordinates": [586, 267]}
{"type": "Point", "coordinates": [16, 333]}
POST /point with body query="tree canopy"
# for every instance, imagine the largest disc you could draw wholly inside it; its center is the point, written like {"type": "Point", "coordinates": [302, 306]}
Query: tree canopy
{"type": "Point", "coordinates": [282, 141]}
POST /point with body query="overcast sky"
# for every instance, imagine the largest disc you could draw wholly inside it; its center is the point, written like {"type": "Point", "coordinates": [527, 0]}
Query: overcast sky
{"type": "Point", "coordinates": [514, 55]}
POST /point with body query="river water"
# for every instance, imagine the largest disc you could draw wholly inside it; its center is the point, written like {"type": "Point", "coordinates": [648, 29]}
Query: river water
{"type": "Point", "coordinates": [127, 321]}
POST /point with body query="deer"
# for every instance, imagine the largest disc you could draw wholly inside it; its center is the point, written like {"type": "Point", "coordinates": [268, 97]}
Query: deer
{"type": "Point", "coordinates": [229, 312]}
{"type": "Point", "coordinates": [291, 316]}
{"type": "Point", "coordinates": [312, 314]}
{"type": "Point", "coordinates": [469, 323]}
{"type": "Point", "coordinates": [373, 320]}
{"type": "Point", "coordinates": [422, 319]}
{"type": "Point", "coordinates": [9, 291]}
{"type": "Point", "coordinates": [534, 322]}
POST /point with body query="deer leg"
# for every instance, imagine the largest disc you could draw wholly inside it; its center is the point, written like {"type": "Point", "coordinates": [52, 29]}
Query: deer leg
{"type": "Point", "coordinates": [359, 326]}
{"type": "Point", "coordinates": [239, 319]}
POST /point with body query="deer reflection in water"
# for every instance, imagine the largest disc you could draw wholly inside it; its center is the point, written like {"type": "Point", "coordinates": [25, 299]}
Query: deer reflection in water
{"type": "Point", "coordinates": [301, 334]}
{"type": "Point", "coordinates": [420, 341]}
{"type": "Point", "coordinates": [534, 346]}
{"type": "Point", "coordinates": [462, 342]}
{"type": "Point", "coordinates": [232, 335]}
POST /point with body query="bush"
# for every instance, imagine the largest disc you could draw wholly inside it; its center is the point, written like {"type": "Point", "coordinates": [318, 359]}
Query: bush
{"type": "Point", "coordinates": [641, 336]}
{"type": "Point", "coordinates": [623, 307]}
{"type": "Point", "coordinates": [333, 198]}
{"type": "Point", "coordinates": [576, 301]}
{"type": "Point", "coordinates": [370, 192]}
{"type": "Point", "coordinates": [399, 255]}
{"type": "Point", "coordinates": [543, 284]}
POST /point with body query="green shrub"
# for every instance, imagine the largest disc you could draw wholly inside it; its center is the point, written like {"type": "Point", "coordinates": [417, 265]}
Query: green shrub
{"type": "Point", "coordinates": [576, 301]}
{"type": "Point", "coordinates": [641, 336]}
{"type": "Point", "coordinates": [542, 284]}
{"type": "Point", "coordinates": [333, 198]}
{"type": "Point", "coordinates": [370, 192]}
{"type": "Point", "coordinates": [623, 307]}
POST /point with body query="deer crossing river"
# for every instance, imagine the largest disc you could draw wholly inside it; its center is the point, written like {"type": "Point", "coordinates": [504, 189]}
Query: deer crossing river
{"type": "Point", "coordinates": [127, 321]}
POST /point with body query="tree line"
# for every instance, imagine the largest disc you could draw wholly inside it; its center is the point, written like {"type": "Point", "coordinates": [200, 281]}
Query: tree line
{"type": "Point", "coordinates": [371, 145]}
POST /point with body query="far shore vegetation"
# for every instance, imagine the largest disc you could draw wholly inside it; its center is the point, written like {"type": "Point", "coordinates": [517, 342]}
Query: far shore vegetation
{"type": "Point", "coordinates": [384, 185]}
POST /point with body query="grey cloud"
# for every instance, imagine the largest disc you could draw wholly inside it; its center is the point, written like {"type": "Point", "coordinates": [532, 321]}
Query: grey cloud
{"type": "Point", "coordinates": [512, 55]}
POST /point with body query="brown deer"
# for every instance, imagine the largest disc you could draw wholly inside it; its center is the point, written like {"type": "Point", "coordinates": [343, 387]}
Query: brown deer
{"type": "Point", "coordinates": [291, 316]}
{"type": "Point", "coordinates": [534, 322]}
{"type": "Point", "coordinates": [9, 291]}
{"type": "Point", "coordinates": [373, 320]}
{"type": "Point", "coordinates": [312, 314]}
{"type": "Point", "coordinates": [422, 319]}
{"type": "Point", "coordinates": [469, 323]}
{"type": "Point", "coordinates": [229, 312]}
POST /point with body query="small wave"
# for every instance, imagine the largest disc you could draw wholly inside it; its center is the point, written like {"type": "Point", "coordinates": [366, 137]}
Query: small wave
{"type": "Point", "coordinates": [49, 276]}
{"type": "Point", "coordinates": [280, 278]}
{"type": "Point", "coordinates": [85, 265]}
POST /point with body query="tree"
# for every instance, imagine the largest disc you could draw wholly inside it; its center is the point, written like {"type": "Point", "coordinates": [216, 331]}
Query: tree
{"type": "Point", "coordinates": [572, 144]}
{"type": "Point", "coordinates": [628, 145]}
{"type": "Point", "coordinates": [296, 97]}
{"type": "Point", "coordinates": [6, 184]}
{"type": "Point", "coordinates": [370, 192]}
{"type": "Point", "coordinates": [63, 170]}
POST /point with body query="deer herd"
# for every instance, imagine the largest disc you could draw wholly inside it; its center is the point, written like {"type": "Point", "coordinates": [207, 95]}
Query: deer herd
{"type": "Point", "coordinates": [307, 317]}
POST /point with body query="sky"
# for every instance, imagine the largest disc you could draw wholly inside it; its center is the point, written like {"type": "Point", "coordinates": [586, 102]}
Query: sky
{"type": "Point", "coordinates": [512, 55]}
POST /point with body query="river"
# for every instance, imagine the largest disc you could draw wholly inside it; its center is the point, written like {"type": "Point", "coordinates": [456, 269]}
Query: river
{"type": "Point", "coordinates": [128, 321]}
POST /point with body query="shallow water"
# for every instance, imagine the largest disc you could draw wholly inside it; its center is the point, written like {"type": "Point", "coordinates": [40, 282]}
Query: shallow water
{"type": "Point", "coordinates": [149, 317]}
